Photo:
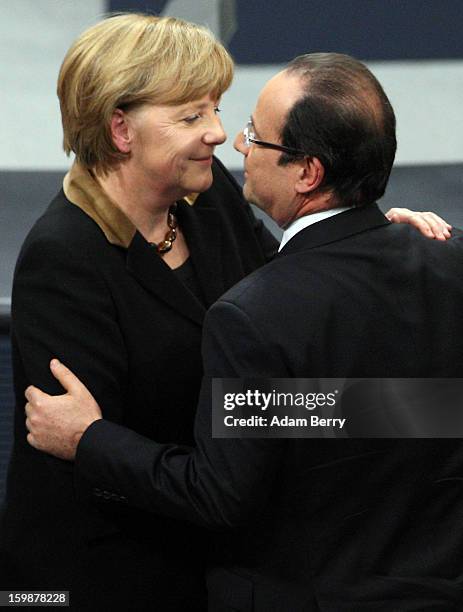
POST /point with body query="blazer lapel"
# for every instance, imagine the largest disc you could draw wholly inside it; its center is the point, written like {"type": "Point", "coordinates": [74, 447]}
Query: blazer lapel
{"type": "Point", "coordinates": [154, 274]}
{"type": "Point", "coordinates": [338, 227]}
{"type": "Point", "coordinates": [201, 225]}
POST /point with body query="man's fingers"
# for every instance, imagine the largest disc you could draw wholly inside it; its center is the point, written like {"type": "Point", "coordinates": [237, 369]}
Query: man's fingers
{"type": "Point", "coordinates": [33, 441]}
{"type": "Point", "coordinates": [66, 378]}
{"type": "Point", "coordinates": [35, 396]}
{"type": "Point", "coordinates": [31, 417]}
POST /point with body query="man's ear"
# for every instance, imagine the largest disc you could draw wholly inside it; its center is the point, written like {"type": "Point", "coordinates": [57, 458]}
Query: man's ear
{"type": "Point", "coordinates": [120, 131]}
{"type": "Point", "coordinates": [310, 175]}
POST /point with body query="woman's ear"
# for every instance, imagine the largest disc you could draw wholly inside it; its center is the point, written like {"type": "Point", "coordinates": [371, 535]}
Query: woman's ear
{"type": "Point", "coordinates": [310, 176]}
{"type": "Point", "coordinates": [120, 131]}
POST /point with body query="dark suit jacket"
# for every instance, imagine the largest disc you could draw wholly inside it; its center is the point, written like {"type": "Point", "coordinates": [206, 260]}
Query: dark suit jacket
{"type": "Point", "coordinates": [318, 524]}
{"type": "Point", "coordinates": [131, 331]}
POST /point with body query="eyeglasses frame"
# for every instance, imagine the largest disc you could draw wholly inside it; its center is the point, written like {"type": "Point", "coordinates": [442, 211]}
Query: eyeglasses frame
{"type": "Point", "coordinates": [248, 139]}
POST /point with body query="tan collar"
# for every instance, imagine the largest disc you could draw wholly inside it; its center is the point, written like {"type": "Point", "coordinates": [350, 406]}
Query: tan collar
{"type": "Point", "coordinates": [82, 189]}
{"type": "Point", "coordinates": [191, 198]}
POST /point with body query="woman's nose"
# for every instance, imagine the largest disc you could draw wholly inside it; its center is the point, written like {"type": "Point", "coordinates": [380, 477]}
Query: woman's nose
{"type": "Point", "coordinates": [216, 134]}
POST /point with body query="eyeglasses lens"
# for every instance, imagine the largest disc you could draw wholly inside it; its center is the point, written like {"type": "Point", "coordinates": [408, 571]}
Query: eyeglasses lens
{"type": "Point", "coordinates": [248, 133]}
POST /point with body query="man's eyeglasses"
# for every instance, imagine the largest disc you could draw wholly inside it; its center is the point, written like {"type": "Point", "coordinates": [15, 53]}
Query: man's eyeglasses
{"type": "Point", "coordinates": [250, 137]}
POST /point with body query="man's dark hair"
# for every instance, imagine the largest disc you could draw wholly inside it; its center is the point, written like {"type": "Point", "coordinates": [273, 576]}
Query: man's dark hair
{"type": "Point", "coordinates": [345, 119]}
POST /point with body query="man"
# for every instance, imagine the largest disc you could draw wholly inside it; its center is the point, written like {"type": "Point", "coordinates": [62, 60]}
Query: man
{"type": "Point", "coordinates": [319, 524]}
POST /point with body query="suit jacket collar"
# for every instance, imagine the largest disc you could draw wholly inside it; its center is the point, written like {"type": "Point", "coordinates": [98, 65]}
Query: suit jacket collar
{"type": "Point", "coordinates": [143, 262]}
{"type": "Point", "coordinates": [353, 221]}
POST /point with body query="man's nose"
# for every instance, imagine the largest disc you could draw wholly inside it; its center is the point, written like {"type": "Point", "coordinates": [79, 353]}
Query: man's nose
{"type": "Point", "coordinates": [240, 144]}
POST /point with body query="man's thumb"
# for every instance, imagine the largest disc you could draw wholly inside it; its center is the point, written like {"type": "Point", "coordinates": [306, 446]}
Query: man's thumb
{"type": "Point", "coordinates": [66, 378]}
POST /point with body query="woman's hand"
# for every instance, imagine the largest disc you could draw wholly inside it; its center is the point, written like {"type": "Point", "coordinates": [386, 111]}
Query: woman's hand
{"type": "Point", "coordinates": [428, 223]}
{"type": "Point", "coordinates": [56, 423]}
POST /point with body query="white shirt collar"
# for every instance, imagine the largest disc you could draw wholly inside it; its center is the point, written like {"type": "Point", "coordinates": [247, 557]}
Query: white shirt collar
{"type": "Point", "coordinates": [303, 222]}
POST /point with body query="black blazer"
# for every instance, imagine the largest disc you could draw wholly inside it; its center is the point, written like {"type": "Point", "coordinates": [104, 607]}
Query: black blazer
{"type": "Point", "coordinates": [127, 326]}
{"type": "Point", "coordinates": [318, 524]}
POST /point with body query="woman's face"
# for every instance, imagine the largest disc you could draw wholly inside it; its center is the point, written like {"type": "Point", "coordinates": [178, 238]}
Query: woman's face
{"type": "Point", "coordinates": [171, 146]}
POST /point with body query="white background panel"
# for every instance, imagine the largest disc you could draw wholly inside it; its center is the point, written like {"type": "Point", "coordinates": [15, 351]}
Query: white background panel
{"type": "Point", "coordinates": [34, 37]}
{"type": "Point", "coordinates": [35, 34]}
{"type": "Point", "coordinates": [427, 98]}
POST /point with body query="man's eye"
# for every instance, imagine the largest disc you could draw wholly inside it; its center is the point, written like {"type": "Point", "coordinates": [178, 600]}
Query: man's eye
{"type": "Point", "coordinates": [192, 118]}
{"type": "Point", "coordinates": [217, 110]}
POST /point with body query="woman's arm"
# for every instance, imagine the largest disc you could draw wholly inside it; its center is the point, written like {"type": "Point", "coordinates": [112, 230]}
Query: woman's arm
{"type": "Point", "coordinates": [62, 307]}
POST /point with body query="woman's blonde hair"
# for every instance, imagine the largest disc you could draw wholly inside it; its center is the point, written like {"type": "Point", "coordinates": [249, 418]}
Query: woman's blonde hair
{"type": "Point", "coordinates": [128, 60]}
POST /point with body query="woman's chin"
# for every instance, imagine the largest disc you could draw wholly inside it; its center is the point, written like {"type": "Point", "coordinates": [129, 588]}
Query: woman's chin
{"type": "Point", "coordinates": [202, 184]}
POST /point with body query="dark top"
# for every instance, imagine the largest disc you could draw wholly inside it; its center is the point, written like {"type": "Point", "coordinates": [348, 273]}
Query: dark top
{"type": "Point", "coordinates": [186, 273]}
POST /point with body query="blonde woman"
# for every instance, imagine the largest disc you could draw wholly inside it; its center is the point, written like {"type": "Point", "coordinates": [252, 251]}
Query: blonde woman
{"type": "Point", "coordinates": [115, 279]}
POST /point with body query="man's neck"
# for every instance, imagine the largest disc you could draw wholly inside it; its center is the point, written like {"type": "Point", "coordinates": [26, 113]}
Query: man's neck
{"type": "Point", "coordinates": [311, 205]}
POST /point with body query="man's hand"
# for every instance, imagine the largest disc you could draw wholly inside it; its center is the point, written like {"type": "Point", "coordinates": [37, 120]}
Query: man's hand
{"type": "Point", "coordinates": [428, 223]}
{"type": "Point", "coordinates": [56, 423]}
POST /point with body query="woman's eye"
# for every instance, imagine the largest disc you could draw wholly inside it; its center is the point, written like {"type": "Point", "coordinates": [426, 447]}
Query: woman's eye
{"type": "Point", "coordinates": [191, 118]}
